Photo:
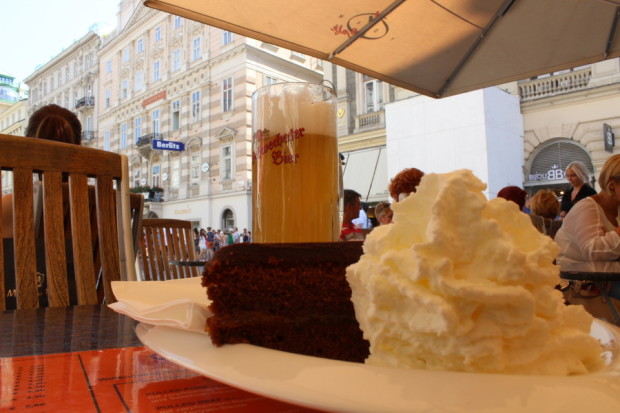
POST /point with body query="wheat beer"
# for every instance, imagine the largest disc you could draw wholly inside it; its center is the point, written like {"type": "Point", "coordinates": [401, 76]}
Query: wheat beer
{"type": "Point", "coordinates": [295, 164]}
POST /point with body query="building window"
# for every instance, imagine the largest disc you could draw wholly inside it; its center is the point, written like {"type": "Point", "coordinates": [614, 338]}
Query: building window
{"type": "Point", "coordinates": [226, 38]}
{"type": "Point", "coordinates": [89, 90]}
{"type": "Point", "coordinates": [175, 175]}
{"type": "Point", "coordinates": [106, 140]}
{"type": "Point", "coordinates": [123, 135]}
{"type": "Point", "coordinates": [226, 162]}
{"type": "Point", "coordinates": [156, 71]}
{"type": "Point", "coordinates": [155, 118]}
{"type": "Point", "coordinates": [270, 80]}
{"type": "Point", "coordinates": [373, 94]}
{"type": "Point", "coordinates": [195, 106]}
{"type": "Point", "coordinates": [227, 94]}
{"type": "Point", "coordinates": [176, 114]}
{"type": "Point", "coordinates": [177, 22]}
{"type": "Point", "coordinates": [126, 54]}
{"type": "Point", "coordinates": [136, 175]}
{"type": "Point", "coordinates": [196, 48]}
{"type": "Point", "coordinates": [228, 219]}
{"type": "Point", "coordinates": [195, 166]}
{"type": "Point", "coordinates": [68, 72]}
{"type": "Point", "coordinates": [137, 128]}
{"type": "Point", "coordinates": [176, 60]}
{"type": "Point", "coordinates": [157, 33]}
{"type": "Point", "coordinates": [139, 80]}
{"type": "Point", "coordinates": [139, 46]}
{"type": "Point", "coordinates": [107, 98]}
{"type": "Point", "coordinates": [155, 171]}
{"type": "Point", "coordinates": [124, 86]}
{"type": "Point", "coordinates": [89, 123]}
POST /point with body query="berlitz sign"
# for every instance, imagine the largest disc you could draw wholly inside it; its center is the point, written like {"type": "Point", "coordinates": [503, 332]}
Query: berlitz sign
{"type": "Point", "coordinates": [168, 145]}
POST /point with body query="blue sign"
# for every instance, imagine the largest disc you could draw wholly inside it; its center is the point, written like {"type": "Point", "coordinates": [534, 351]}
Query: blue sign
{"type": "Point", "coordinates": [168, 145]}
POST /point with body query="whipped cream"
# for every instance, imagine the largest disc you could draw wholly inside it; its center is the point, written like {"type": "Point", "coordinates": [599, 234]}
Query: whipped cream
{"type": "Point", "coordinates": [461, 283]}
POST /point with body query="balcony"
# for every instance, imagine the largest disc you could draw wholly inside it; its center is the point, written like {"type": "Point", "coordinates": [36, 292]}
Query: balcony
{"type": "Point", "coordinates": [370, 121]}
{"type": "Point", "coordinates": [89, 137]}
{"type": "Point", "coordinates": [143, 144]}
{"type": "Point", "coordinates": [85, 102]}
{"type": "Point", "coordinates": [555, 85]}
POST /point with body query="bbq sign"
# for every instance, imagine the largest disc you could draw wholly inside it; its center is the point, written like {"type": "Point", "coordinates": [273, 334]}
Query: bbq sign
{"type": "Point", "coordinates": [168, 145]}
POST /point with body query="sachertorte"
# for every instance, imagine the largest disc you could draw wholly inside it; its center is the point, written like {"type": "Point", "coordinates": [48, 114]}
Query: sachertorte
{"type": "Point", "coordinates": [289, 297]}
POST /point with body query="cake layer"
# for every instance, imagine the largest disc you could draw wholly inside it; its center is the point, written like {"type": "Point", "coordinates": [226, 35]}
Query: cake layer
{"type": "Point", "coordinates": [282, 278]}
{"type": "Point", "coordinates": [338, 338]}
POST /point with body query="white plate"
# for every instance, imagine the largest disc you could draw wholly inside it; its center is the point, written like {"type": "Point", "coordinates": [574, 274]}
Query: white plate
{"type": "Point", "coordinates": [351, 387]}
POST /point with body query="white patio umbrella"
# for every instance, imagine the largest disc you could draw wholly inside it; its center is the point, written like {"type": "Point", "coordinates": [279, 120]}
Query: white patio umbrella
{"type": "Point", "coordinates": [434, 47]}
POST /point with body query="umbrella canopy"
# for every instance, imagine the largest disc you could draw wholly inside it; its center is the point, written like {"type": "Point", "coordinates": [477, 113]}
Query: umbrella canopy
{"type": "Point", "coordinates": [434, 47]}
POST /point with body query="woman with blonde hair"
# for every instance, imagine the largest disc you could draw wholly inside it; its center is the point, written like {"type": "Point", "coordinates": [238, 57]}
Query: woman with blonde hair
{"type": "Point", "coordinates": [590, 230]}
{"type": "Point", "coordinates": [578, 176]}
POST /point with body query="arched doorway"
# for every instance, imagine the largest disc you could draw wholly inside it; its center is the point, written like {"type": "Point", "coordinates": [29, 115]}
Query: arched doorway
{"type": "Point", "coordinates": [545, 169]}
{"type": "Point", "coordinates": [228, 219]}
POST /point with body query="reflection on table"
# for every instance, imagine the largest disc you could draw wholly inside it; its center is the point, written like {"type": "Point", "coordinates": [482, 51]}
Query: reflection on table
{"type": "Point", "coordinates": [188, 263]}
{"type": "Point", "coordinates": [600, 273]}
{"type": "Point", "coordinates": [88, 359]}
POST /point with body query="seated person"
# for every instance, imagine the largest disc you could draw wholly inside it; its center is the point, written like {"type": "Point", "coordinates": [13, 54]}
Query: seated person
{"type": "Point", "coordinates": [50, 122]}
{"type": "Point", "coordinates": [590, 230]}
{"type": "Point", "coordinates": [404, 183]}
{"type": "Point", "coordinates": [514, 194]}
{"type": "Point", "coordinates": [352, 206]}
{"type": "Point", "coordinates": [545, 209]}
{"type": "Point", "coordinates": [384, 213]}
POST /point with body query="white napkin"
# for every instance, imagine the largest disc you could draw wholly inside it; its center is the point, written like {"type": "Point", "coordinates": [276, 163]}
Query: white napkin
{"type": "Point", "coordinates": [176, 303]}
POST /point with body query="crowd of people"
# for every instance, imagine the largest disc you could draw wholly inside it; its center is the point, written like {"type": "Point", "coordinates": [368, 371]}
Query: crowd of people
{"type": "Point", "coordinates": [207, 241]}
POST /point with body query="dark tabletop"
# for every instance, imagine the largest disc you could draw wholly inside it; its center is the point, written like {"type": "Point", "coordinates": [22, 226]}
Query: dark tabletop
{"type": "Point", "coordinates": [64, 329]}
{"type": "Point", "coordinates": [589, 271]}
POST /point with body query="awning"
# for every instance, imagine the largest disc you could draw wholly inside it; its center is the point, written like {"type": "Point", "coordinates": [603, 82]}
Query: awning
{"type": "Point", "coordinates": [365, 171]}
{"type": "Point", "coordinates": [433, 47]}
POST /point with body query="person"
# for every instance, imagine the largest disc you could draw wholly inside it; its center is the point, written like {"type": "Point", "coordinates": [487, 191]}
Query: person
{"type": "Point", "coordinates": [590, 230]}
{"type": "Point", "coordinates": [384, 213]}
{"type": "Point", "coordinates": [202, 245]}
{"type": "Point", "coordinates": [404, 183]}
{"type": "Point", "coordinates": [245, 235]}
{"type": "Point", "coordinates": [352, 206]}
{"type": "Point", "coordinates": [514, 194]}
{"type": "Point", "coordinates": [50, 122]}
{"type": "Point", "coordinates": [577, 175]}
{"type": "Point", "coordinates": [197, 241]}
{"type": "Point", "coordinates": [236, 236]}
{"type": "Point", "coordinates": [210, 243]}
{"type": "Point", "coordinates": [545, 208]}
{"type": "Point", "coordinates": [229, 237]}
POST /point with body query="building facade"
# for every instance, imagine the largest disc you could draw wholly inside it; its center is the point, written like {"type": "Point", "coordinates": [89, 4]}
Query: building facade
{"type": "Point", "coordinates": [569, 115]}
{"type": "Point", "coordinates": [70, 80]}
{"type": "Point", "coordinates": [167, 79]}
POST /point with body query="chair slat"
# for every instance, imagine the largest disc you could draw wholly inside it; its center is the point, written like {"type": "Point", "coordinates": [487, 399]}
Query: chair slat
{"type": "Point", "coordinates": [2, 276]}
{"type": "Point", "coordinates": [23, 235]}
{"type": "Point", "coordinates": [81, 236]}
{"type": "Point", "coordinates": [54, 233]}
{"type": "Point", "coordinates": [108, 235]}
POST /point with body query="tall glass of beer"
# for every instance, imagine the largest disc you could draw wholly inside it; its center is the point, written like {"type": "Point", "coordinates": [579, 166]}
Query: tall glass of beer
{"type": "Point", "coordinates": [295, 164]}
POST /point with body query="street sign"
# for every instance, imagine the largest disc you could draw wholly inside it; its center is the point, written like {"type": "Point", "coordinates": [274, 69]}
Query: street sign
{"type": "Point", "coordinates": [168, 145]}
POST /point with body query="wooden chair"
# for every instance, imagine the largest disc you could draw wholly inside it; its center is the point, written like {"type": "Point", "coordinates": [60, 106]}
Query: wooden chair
{"type": "Point", "coordinates": [53, 163]}
{"type": "Point", "coordinates": [164, 240]}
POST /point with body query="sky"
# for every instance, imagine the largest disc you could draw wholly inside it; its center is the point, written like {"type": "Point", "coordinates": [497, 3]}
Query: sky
{"type": "Point", "coordinates": [35, 31]}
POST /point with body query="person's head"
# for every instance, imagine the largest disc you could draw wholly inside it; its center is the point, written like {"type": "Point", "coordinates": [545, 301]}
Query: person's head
{"type": "Point", "coordinates": [545, 204]}
{"type": "Point", "coordinates": [55, 123]}
{"type": "Point", "coordinates": [352, 203]}
{"type": "Point", "coordinates": [196, 231]}
{"type": "Point", "coordinates": [514, 194]}
{"type": "Point", "coordinates": [577, 174]}
{"type": "Point", "coordinates": [609, 178]}
{"type": "Point", "coordinates": [384, 213]}
{"type": "Point", "coordinates": [404, 183]}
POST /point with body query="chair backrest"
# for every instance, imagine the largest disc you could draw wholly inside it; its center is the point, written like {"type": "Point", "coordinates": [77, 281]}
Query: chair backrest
{"type": "Point", "coordinates": [53, 162]}
{"type": "Point", "coordinates": [164, 240]}
{"type": "Point", "coordinates": [546, 226]}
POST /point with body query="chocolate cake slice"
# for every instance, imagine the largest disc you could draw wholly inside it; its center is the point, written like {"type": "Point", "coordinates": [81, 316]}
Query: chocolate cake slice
{"type": "Point", "coordinates": [289, 297]}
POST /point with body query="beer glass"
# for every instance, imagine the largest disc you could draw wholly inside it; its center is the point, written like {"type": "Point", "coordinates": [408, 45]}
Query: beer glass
{"type": "Point", "coordinates": [295, 164]}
